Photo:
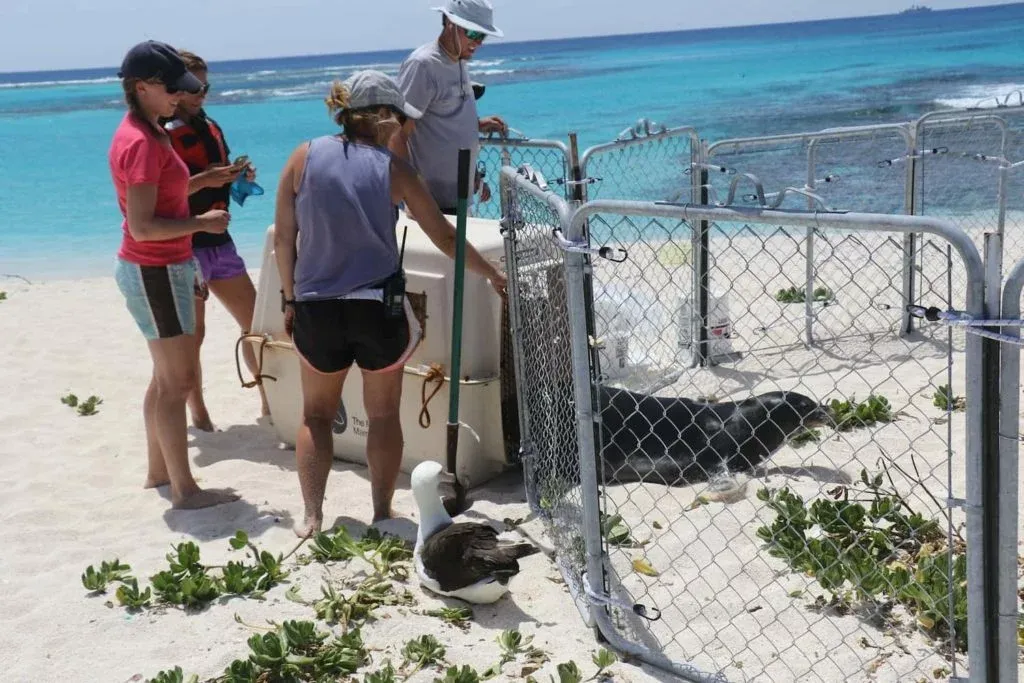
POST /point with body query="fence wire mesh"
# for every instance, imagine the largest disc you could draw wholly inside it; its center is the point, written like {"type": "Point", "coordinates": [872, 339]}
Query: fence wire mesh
{"type": "Point", "coordinates": [547, 157]}
{"type": "Point", "coordinates": [957, 177]}
{"type": "Point", "coordinates": [645, 163]}
{"type": "Point", "coordinates": [848, 170]}
{"type": "Point", "coordinates": [801, 568]}
{"type": "Point", "coordinates": [841, 556]}
{"type": "Point", "coordinates": [550, 447]}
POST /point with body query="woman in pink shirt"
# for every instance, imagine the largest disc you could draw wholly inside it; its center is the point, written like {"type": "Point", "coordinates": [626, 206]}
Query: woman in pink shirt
{"type": "Point", "coordinates": [155, 269]}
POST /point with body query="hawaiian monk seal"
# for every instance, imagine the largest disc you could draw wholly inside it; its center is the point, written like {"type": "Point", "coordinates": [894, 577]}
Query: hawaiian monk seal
{"type": "Point", "coordinates": [678, 441]}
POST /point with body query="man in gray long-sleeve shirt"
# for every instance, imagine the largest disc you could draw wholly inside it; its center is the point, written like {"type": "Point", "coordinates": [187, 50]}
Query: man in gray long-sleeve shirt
{"type": "Point", "coordinates": [435, 80]}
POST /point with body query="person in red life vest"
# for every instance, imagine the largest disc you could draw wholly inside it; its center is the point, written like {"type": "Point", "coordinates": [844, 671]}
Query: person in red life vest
{"type": "Point", "coordinates": [201, 144]}
{"type": "Point", "coordinates": [155, 269]}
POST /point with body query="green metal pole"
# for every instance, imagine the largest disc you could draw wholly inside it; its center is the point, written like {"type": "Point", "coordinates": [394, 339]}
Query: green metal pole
{"type": "Point", "coordinates": [459, 504]}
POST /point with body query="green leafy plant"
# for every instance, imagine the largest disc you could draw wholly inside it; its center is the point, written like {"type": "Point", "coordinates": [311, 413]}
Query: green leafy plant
{"type": "Point", "coordinates": [569, 672]}
{"type": "Point", "coordinates": [386, 554]}
{"type": "Point", "coordinates": [3, 296]}
{"type": "Point", "coordinates": [188, 583]}
{"type": "Point", "coordinates": [456, 616]}
{"type": "Point", "coordinates": [175, 675]}
{"type": "Point", "coordinates": [96, 581]}
{"type": "Point", "coordinates": [297, 651]}
{"type": "Point", "coordinates": [512, 644]}
{"type": "Point", "coordinates": [847, 415]}
{"type": "Point", "coordinates": [944, 399]}
{"type": "Point", "coordinates": [86, 407]}
{"type": "Point", "coordinates": [793, 295]}
{"type": "Point", "coordinates": [128, 594]}
{"type": "Point", "coordinates": [603, 659]}
{"type": "Point", "coordinates": [421, 652]}
{"type": "Point", "coordinates": [805, 437]}
{"type": "Point", "coordinates": [872, 551]}
{"type": "Point", "coordinates": [384, 675]}
{"type": "Point", "coordinates": [615, 531]}
{"type": "Point", "coordinates": [455, 674]}
{"type": "Point", "coordinates": [358, 605]}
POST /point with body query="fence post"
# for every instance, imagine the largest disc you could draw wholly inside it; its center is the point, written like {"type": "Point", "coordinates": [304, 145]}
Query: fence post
{"type": "Point", "coordinates": [990, 457]}
{"type": "Point", "coordinates": [910, 239]}
{"type": "Point", "coordinates": [586, 424]}
{"type": "Point", "coordinates": [982, 361]}
{"type": "Point", "coordinates": [701, 281]}
{"type": "Point", "coordinates": [812, 171]}
{"type": "Point", "coordinates": [1009, 469]}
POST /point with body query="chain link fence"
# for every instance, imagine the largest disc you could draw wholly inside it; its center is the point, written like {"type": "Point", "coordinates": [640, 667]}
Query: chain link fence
{"type": "Point", "coordinates": [724, 563]}
{"type": "Point", "coordinates": [550, 158]}
{"type": "Point", "coordinates": [832, 553]}
{"type": "Point", "coordinates": [646, 161]}
{"type": "Point", "coordinates": [543, 361]}
{"type": "Point", "coordinates": [650, 338]}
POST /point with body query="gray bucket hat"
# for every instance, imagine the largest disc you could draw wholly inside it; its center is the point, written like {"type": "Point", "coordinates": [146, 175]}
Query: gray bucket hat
{"type": "Point", "coordinates": [371, 88]}
{"type": "Point", "coordinates": [473, 15]}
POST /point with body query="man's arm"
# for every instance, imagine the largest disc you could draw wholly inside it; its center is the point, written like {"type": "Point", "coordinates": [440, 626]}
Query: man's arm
{"type": "Point", "coordinates": [418, 89]}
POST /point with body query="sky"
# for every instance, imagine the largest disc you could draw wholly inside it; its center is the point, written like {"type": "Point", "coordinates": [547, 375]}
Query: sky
{"type": "Point", "coordinates": [41, 35]}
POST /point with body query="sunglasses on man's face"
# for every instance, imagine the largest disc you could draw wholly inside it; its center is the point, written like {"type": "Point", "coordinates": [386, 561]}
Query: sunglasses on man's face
{"type": "Point", "coordinates": [476, 36]}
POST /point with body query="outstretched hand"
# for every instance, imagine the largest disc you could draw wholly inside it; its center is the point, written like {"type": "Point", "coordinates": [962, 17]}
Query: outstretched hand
{"type": "Point", "coordinates": [493, 124]}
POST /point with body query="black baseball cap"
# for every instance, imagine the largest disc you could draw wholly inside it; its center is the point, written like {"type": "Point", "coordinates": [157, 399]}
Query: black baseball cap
{"type": "Point", "coordinates": [153, 59]}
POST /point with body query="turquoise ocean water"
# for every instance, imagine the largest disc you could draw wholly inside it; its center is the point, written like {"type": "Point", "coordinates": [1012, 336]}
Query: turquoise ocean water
{"type": "Point", "coordinates": [59, 217]}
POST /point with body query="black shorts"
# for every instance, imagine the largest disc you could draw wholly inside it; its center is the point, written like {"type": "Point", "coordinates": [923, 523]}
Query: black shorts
{"type": "Point", "coordinates": [331, 335]}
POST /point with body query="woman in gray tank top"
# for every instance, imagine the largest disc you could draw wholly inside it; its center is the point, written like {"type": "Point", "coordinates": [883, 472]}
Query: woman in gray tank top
{"type": "Point", "coordinates": [340, 193]}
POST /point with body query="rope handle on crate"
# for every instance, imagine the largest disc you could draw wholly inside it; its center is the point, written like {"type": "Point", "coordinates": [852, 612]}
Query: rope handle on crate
{"type": "Point", "coordinates": [435, 374]}
{"type": "Point", "coordinates": [257, 380]}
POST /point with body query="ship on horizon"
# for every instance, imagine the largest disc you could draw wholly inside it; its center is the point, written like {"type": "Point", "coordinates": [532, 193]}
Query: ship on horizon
{"type": "Point", "coordinates": [916, 9]}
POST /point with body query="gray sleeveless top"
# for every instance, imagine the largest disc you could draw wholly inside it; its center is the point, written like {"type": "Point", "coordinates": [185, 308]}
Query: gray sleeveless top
{"type": "Point", "coordinates": [346, 221]}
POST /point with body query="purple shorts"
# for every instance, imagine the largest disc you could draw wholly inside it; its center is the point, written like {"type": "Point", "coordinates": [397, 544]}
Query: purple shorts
{"type": "Point", "coordinates": [219, 263]}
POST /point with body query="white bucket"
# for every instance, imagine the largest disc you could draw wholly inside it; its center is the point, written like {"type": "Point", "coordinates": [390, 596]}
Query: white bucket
{"type": "Point", "coordinates": [720, 330]}
{"type": "Point", "coordinates": [615, 323]}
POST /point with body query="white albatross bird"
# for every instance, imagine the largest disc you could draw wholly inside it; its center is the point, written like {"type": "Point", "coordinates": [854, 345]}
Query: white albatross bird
{"type": "Point", "coordinates": [464, 560]}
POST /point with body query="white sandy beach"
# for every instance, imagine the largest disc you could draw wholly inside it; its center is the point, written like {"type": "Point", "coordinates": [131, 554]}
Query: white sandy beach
{"type": "Point", "coordinates": [72, 496]}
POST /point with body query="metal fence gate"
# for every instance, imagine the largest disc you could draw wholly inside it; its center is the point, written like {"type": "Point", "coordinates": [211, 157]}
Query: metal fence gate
{"type": "Point", "coordinates": [702, 572]}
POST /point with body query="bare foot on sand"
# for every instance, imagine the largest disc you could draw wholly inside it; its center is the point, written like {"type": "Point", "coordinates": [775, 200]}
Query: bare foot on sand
{"type": "Point", "coordinates": [202, 422]}
{"type": "Point", "coordinates": [204, 498]}
{"type": "Point", "coordinates": [311, 525]}
{"type": "Point", "coordinates": [153, 482]}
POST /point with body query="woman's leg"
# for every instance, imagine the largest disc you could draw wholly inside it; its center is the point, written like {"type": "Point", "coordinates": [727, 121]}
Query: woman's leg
{"type": "Point", "coordinates": [174, 374]}
{"type": "Point", "coordinates": [157, 475]}
{"type": "Point", "coordinates": [196, 402]}
{"type": "Point", "coordinates": [382, 398]}
{"type": "Point", "coordinates": [314, 447]}
{"type": "Point", "coordinates": [238, 294]}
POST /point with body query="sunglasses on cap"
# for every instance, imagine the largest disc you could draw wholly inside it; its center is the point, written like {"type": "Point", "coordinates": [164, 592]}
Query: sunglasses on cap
{"type": "Point", "coordinates": [476, 36]}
